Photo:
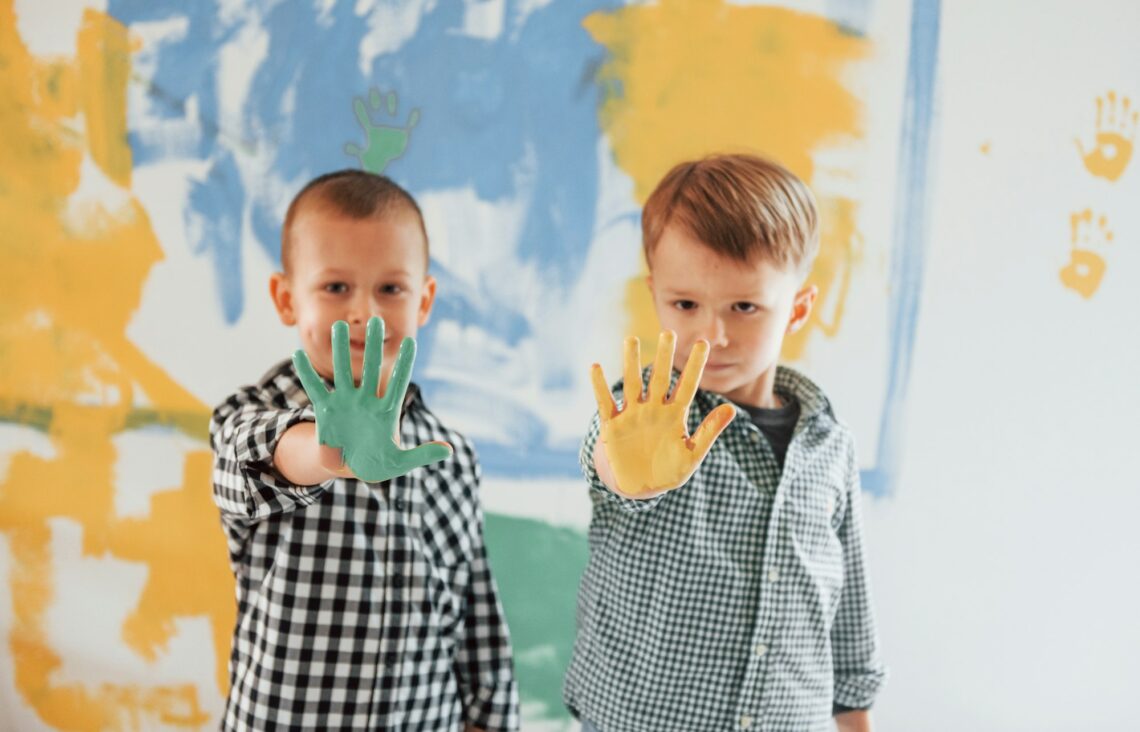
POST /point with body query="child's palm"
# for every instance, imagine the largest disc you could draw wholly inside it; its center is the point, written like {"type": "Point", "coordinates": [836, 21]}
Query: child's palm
{"type": "Point", "coordinates": [363, 425]}
{"type": "Point", "coordinates": [647, 442]}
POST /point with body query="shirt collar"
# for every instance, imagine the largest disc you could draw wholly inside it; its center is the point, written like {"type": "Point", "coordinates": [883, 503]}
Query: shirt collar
{"type": "Point", "coordinates": [811, 398]}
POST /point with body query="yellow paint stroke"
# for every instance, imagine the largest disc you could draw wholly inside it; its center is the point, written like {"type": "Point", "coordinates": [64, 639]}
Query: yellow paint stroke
{"type": "Point", "coordinates": [685, 79]}
{"type": "Point", "coordinates": [72, 277]}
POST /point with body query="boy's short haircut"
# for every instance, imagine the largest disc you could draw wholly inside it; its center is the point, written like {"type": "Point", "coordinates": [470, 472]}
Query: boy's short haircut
{"type": "Point", "coordinates": [356, 194]}
{"type": "Point", "coordinates": [741, 206]}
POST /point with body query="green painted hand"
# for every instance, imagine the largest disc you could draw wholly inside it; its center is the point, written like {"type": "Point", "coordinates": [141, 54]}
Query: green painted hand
{"type": "Point", "coordinates": [363, 425]}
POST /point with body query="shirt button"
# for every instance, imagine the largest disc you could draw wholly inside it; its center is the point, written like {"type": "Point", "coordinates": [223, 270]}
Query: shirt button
{"type": "Point", "coordinates": [399, 504]}
{"type": "Point", "coordinates": [773, 576]}
{"type": "Point", "coordinates": [745, 722]}
{"type": "Point", "coordinates": [755, 436]}
{"type": "Point", "coordinates": [761, 649]}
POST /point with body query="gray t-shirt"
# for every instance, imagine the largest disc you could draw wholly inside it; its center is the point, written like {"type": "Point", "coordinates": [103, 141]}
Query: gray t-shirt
{"type": "Point", "coordinates": [777, 424]}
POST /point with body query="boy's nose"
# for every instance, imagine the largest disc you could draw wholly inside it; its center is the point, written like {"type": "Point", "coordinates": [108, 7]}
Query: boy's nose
{"type": "Point", "coordinates": [359, 310]}
{"type": "Point", "coordinates": [718, 334]}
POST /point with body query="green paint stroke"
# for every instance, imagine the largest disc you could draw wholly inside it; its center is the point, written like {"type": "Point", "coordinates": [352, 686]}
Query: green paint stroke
{"type": "Point", "coordinates": [385, 143]}
{"type": "Point", "coordinates": [538, 567]}
{"type": "Point", "coordinates": [193, 424]}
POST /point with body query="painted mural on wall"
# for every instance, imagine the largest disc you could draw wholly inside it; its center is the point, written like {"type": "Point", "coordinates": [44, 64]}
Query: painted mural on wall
{"type": "Point", "coordinates": [531, 132]}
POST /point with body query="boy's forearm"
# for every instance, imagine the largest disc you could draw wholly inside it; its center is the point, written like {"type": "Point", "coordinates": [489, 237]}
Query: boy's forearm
{"type": "Point", "coordinates": [857, 720]}
{"type": "Point", "coordinates": [299, 458]}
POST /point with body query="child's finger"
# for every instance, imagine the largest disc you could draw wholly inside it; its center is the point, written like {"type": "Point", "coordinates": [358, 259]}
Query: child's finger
{"type": "Point", "coordinates": [342, 356]}
{"type": "Point", "coordinates": [401, 371]}
{"type": "Point", "coordinates": [662, 366]}
{"type": "Point", "coordinates": [710, 429]}
{"type": "Point", "coordinates": [691, 376]}
{"type": "Point", "coordinates": [632, 370]}
{"type": "Point", "coordinates": [312, 383]}
{"type": "Point", "coordinates": [425, 454]}
{"type": "Point", "coordinates": [607, 408]}
{"type": "Point", "coordinates": [373, 356]}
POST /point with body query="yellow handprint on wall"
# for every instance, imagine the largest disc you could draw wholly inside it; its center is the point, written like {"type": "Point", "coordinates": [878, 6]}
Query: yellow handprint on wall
{"type": "Point", "coordinates": [1086, 267]}
{"type": "Point", "coordinates": [647, 443]}
{"type": "Point", "coordinates": [1116, 123]}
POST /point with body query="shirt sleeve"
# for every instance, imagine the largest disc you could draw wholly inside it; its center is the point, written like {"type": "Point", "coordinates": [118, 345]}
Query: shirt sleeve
{"type": "Point", "coordinates": [244, 432]}
{"type": "Point", "coordinates": [483, 662]}
{"type": "Point", "coordinates": [598, 489]}
{"type": "Point", "coordinates": [859, 670]}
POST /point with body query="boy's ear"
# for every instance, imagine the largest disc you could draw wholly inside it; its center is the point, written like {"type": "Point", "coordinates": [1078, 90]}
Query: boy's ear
{"type": "Point", "coordinates": [426, 300]}
{"type": "Point", "coordinates": [282, 295]}
{"type": "Point", "coordinates": [801, 308]}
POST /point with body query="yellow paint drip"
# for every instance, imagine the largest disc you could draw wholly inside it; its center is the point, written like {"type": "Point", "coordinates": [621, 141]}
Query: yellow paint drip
{"type": "Point", "coordinates": [685, 79]}
{"type": "Point", "coordinates": [72, 280]}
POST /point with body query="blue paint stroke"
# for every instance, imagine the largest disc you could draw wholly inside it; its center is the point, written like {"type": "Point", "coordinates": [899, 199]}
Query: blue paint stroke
{"type": "Point", "coordinates": [219, 232]}
{"type": "Point", "coordinates": [908, 256]}
{"type": "Point", "coordinates": [513, 118]}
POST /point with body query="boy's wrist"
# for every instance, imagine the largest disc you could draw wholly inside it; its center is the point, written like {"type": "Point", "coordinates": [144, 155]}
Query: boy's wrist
{"type": "Point", "coordinates": [300, 458]}
{"type": "Point", "coordinates": [853, 720]}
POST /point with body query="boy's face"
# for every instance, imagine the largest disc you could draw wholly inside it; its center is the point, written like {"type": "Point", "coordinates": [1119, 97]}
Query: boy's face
{"type": "Point", "coordinates": [742, 309]}
{"type": "Point", "coordinates": [351, 269]}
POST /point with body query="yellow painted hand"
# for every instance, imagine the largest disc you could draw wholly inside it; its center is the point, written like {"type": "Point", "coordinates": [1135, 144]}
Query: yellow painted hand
{"type": "Point", "coordinates": [647, 442]}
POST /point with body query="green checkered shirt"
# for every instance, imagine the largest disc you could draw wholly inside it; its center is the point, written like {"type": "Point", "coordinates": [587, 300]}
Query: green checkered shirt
{"type": "Point", "coordinates": [739, 601]}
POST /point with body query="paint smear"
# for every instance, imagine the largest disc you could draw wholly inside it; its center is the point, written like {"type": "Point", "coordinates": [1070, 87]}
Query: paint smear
{"type": "Point", "coordinates": [687, 79]}
{"type": "Point", "coordinates": [73, 274]}
{"type": "Point", "coordinates": [538, 568]}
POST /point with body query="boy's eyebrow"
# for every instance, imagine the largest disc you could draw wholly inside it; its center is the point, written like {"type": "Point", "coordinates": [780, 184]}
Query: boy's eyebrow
{"type": "Point", "coordinates": [755, 296]}
{"type": "Point", "coordinates": [341, 272]}
{"type": "Point", "coordinates": [679, 292]}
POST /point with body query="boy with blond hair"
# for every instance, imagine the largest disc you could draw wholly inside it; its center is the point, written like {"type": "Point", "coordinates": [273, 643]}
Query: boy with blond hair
{"type": "Point", "coordinates": [365, 599]}
{"type": "Point", "coordinates": [726, 587]}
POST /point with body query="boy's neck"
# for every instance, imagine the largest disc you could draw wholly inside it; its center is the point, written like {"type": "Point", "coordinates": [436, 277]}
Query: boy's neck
{"type": "Point", "coordinates": [760, 394]}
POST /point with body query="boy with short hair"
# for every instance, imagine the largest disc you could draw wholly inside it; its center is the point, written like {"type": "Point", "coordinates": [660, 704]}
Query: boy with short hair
{"type": "Point", "coordinates": [728, 594]}
{"type": "Point", "coordinates": [360, 605]}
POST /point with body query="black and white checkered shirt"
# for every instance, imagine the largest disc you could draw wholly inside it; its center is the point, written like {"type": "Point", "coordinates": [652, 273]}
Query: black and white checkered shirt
{"type": "Point", "coordinates": [738, 601]}
{"type": "Point", "coordinates": [359, 606]}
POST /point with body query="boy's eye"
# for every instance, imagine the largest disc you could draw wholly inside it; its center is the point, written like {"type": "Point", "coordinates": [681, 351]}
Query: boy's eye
{"type": "Point", "coordinates": [336, 288]}
{"type": "Point", "coordinates": [745, 307]}
{"type": "Point", "coordinates": [391, 289]}
{"type": "Point", "coordinates": [685, 305]}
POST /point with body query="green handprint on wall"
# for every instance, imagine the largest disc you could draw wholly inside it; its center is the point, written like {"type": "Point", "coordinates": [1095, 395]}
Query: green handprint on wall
{"type": "Point", "coordinates": [363, 425]}
{"type": "Point", "coordinates": [385, 143]}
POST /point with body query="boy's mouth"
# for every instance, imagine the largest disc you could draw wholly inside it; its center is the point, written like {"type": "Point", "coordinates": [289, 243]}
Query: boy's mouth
{"type": "Point", "coordinates": [358, 345]}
